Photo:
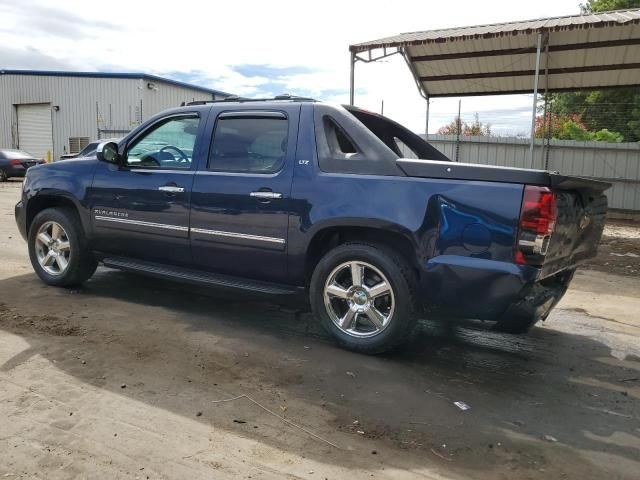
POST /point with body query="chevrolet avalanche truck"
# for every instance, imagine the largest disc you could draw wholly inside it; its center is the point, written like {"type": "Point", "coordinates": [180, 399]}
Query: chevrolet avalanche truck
{"type": "Point", "coordinates": [290, 195]}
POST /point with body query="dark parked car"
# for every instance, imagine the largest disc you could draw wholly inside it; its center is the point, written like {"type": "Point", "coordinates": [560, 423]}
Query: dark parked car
{"type": "Point", "coordinates": [14, 163]}
{"type": "Point", "coordinates": [292, 196]}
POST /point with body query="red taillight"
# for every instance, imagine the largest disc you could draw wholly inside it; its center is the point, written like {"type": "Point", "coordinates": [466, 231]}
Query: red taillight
{"type": "Point", "coordinates": [15, 163]}
{"type": "Point", "coordinates": [537, 221]}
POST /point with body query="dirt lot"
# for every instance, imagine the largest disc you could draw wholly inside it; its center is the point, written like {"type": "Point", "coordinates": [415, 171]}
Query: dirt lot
{"type": "Point", "coordinates": [124, 379]}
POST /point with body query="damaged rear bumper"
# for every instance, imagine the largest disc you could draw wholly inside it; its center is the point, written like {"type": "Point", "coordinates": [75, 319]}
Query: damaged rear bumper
{"type": "Point", "coordinates": [484, 289]}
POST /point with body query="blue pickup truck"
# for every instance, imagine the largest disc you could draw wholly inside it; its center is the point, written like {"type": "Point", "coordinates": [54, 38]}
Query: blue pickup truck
{"type": "Point", "coordinates": [293, 196]}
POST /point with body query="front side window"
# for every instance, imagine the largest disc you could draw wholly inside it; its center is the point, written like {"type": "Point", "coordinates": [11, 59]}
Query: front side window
{"type": "Point", "coordinates": [249, 144]}
{"type": "Point", "coordinates": [169, 144]}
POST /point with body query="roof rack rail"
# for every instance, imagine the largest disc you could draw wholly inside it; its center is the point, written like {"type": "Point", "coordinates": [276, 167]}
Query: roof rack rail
{"type": "Point", "coordinates": [236, 98]}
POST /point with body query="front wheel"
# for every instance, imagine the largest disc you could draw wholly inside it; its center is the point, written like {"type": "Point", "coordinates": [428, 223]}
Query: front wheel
{"type": "Point", "coordinates": [364, 295]}
{"type": "Point", "coordinates": [58, 248]}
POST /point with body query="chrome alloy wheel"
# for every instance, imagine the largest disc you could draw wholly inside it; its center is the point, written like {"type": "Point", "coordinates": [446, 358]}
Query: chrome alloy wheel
{"type": "Point", "coordinates": [52, 248]}
{"type": "Point", "coordinates": [359, 299]}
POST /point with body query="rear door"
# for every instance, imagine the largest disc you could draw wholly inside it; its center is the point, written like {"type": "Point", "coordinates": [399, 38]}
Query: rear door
{"type": "Point", "coordinates": [241, 194]}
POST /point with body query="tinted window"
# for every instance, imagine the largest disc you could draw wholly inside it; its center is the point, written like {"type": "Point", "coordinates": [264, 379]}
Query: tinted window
{"type": "Point", "coordinates": [256, 145]}
{"type": "Point", "coordinates": [168, 144]}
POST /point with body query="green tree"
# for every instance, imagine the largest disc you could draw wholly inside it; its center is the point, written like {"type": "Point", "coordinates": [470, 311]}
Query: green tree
{"type": "Point", "coordinates": [571, 127]}
{"type": "Point", "coordinates": [615, 110]}
{"type": "Point", "coordinates": [607, 5]}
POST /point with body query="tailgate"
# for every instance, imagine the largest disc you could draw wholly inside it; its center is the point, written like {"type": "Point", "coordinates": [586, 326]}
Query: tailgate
{"type": "Point", "coordinates": [582, 212]}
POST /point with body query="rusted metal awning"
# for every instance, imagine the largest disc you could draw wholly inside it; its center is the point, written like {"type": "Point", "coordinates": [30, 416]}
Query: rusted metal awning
{"type": "Point", "coordinates": [577, 52]}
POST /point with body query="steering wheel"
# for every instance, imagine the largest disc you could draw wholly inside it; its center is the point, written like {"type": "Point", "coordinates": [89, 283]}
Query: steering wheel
{"type": "Point", "coordinates": [183, 156]}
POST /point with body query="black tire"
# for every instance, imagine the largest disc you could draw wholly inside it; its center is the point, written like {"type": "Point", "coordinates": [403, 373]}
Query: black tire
{"type": "Point", "coordinates": [81, 263]}
{"type": "Point", "coordinates": [398, 274]}
{"type": "Point", "coordinates": [3, 176]}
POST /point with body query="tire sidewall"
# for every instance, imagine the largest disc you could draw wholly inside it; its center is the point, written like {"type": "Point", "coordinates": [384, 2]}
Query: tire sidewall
{"type": "Point", "coordinates": [3, 175]}
{"type": "Point", "coordinates": [63, 218]}
{"type": "Point", "coordinates": [379, 258]}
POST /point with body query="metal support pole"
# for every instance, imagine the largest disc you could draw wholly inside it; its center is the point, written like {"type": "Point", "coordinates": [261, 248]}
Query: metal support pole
{"type": "Point", "coordinates": [352, 78]}
{"type": "Point", "coordinates": [548, 135]}
{"type": "Point", "coordinates": [458, 129]}
{"type": "Point", "coordinates": [535, 101]}
{"type": "Point", "coordinates": [426, 125]}
{"type": "Point", "coordinates": [547, 121]}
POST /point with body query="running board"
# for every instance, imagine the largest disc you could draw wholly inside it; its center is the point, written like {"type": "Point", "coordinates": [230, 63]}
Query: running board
{"type": "Point", "coordinates": [197, 277]}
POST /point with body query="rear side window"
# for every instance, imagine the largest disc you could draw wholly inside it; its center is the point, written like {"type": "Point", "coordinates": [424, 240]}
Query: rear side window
{"type": "Point", "coordinates": [251, 144]}
{"type": "Point", "coordinates": [340, 145]}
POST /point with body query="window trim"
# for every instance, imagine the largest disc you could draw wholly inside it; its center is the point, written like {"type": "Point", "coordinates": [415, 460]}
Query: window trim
{"type": "Point", "coordinates": [248, 115]}
{"type": "Point", "coordinates": [149, 129]}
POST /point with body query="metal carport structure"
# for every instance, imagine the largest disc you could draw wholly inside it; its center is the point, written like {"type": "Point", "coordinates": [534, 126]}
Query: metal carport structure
{"type": "Point", "coordinates": [577, 52]}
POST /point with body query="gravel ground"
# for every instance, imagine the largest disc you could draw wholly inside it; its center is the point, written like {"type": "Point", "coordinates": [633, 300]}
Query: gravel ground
{"type": "Point", "coordinates": [619, 250]}
{"type": "Point", "coordinates": [128, 377]}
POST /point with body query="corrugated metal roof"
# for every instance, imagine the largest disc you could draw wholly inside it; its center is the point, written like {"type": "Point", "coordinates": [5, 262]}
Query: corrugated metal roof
{"type": "Point", "coordinates": [145, 76]}
{"type": "Point", "coordinates": [555, 24]}
{"type": "Point", "coordinates": [585, 51]}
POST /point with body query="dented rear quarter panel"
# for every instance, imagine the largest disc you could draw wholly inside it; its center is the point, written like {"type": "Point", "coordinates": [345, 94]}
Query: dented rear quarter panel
{"type": "Point", "coordinates": [463, 232]}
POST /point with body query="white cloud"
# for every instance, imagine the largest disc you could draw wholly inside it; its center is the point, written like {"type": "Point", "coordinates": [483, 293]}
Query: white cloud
{"type": "Point", "coordinates": [206, 40]}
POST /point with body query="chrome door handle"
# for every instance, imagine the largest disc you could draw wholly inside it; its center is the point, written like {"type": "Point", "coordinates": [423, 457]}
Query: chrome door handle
{"type": "Point", "coordinates": [171, 189]}
{"type": "Point", "coordinates": [266, 195]}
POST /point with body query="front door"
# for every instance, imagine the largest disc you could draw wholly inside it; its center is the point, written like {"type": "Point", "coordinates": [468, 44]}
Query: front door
{"type": "Point", "coordinates": [140, 209]}
{"type": "Point", "coordinates": [241, 194]}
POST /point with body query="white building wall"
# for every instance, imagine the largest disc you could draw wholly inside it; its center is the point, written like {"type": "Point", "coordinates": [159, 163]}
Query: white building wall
{"type": "Point", "coordinates": [87, 105]}
{"type": "Point", "coordinates": [166, 95]}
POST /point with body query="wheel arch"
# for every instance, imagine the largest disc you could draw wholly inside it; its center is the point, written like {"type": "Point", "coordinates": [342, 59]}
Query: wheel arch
{"type": "Point", "coordinates": [42, 201]}
{"type": "Point", "coordinates": [327, 237]}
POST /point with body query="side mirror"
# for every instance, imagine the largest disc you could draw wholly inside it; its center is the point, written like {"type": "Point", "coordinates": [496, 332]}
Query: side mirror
{"type": "Point", "coordinates": [108, 152]}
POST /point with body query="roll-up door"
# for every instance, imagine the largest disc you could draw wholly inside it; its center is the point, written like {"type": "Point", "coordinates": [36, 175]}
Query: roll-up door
{"type": "Point", "coordinates": [34, 129]}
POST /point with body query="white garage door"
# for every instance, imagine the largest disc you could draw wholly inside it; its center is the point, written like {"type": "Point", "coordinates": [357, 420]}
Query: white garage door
{"type": "Point", "coordinates": [34, 129]}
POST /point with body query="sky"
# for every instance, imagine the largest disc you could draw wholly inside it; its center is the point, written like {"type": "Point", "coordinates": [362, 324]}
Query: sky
{"type": "Point", "coordinates": [263, 48]}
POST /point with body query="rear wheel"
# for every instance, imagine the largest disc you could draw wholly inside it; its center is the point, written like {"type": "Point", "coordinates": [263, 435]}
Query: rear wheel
{"type": "Point", "coordinates": [3, 176]}
{"type": "Point", "coordinates": [58, 248]}
{"type": "Point", "coordinates": [364, 296]}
